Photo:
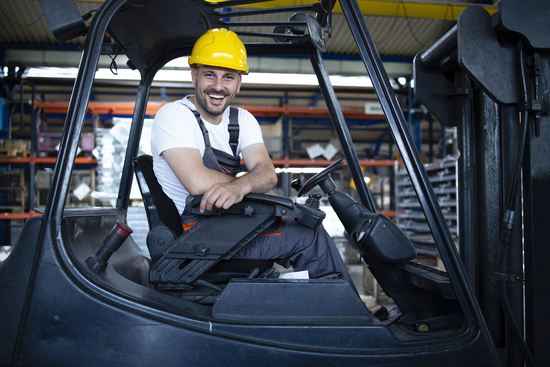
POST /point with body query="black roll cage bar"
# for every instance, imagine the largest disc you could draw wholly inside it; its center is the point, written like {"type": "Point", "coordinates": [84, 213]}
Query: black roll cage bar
{"type": "Point", "coordinates": [411, 159]}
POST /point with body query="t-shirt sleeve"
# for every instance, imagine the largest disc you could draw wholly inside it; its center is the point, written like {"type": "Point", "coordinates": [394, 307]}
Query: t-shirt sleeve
{"type": "Point", "coordinates": [249, 131]}
{"type": "Point", "coordinates": [175, 126]}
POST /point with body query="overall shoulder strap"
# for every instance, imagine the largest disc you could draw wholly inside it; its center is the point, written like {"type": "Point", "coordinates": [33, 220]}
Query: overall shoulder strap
{"type": "Point", "coordinates": [203, 128]}
{"type": "Point", "coordinates": [233, 128]}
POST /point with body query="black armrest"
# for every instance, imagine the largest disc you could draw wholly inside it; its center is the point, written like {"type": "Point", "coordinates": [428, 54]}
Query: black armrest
{"type": "Point", "coordinates": [272, 199]}
{"type": "Point", "coordinates": [266, 204]}
{"type": "Point", "coordinates": [280, 203]}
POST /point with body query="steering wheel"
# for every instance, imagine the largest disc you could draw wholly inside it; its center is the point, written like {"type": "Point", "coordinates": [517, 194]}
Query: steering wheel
{"type": "Point", "coordinates": [319, 177]}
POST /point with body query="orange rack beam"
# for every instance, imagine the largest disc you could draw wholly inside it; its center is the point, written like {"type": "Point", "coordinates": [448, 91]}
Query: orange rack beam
{"type": "Point", "coordinates": [100, 108]}
{"type": "Point", "coordinates": [32, 160]}
{"type": "Point", "coordinates": [308, 112]}
{"type": "Point", "coordinates": [32, 213]}
{"type": "Point", "coordinates": [127, 108]}
{"type": "Point", "coordinates": [310, 163]}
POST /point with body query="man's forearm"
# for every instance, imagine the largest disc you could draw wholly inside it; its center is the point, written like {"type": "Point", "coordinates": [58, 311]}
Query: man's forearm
{"type": "Point", "coordinates": [207, 177]}
{"type": "Point", "coordinates": [259, 180]}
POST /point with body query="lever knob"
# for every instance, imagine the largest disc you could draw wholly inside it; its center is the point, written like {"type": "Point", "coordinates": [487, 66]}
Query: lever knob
{"type": "Point", "coordinates": [296, 184]}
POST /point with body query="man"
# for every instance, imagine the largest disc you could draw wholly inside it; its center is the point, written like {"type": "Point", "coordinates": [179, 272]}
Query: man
{"type": "Point", "coordinates": [196, 151]}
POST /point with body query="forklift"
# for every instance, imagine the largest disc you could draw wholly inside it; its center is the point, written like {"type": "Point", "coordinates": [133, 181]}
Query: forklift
{"type": "Point", "coordinates": [77, 290]}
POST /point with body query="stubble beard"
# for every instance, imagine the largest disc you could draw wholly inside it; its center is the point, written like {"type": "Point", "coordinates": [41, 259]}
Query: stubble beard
{"type": "Point", "coordinates": [203, 100]}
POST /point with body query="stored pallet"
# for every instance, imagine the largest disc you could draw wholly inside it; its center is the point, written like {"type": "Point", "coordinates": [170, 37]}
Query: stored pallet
{"type": "Point", "coordinates": [15, 148]}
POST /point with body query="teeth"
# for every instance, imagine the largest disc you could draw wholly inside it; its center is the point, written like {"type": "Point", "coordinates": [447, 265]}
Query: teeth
{"type": "Point", "coordinates": [215, 96]}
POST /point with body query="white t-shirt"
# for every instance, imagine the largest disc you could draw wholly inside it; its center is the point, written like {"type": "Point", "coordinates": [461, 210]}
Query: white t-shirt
{"type": "Point", "coordinates": [175, 126]}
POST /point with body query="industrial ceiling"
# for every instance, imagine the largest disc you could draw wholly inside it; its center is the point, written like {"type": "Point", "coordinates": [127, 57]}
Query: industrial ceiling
{"type": "Point", "coordinates": [400, 29]}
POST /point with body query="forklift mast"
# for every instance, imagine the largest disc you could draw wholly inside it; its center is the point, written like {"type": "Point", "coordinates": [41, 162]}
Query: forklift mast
{"type": "Point", "coordinates": [489, 77]}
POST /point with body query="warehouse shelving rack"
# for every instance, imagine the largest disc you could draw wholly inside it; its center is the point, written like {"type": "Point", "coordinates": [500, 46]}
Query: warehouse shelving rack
{"type": "Point", "coordinates": [127, 108]}
{"type": "Point", "coordinates": [409, 215]}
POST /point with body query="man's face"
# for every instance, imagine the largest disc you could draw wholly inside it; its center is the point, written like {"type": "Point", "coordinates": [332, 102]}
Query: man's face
{"type": "Point", "coordinates": [215, 89]}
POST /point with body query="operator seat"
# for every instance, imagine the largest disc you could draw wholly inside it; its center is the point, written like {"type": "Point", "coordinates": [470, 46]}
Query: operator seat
{"type": "Point", "coordinates": [165, 223]}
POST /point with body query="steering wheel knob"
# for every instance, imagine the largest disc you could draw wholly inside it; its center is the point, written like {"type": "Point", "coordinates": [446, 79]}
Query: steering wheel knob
{"type": "Point", "coordinates": [320, 177]}
{"type": "Point", "coordinates": [296, 184]}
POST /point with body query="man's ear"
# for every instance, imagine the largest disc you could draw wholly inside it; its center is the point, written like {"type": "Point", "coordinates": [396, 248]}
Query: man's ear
{"type": "Point", "coordinates": [194, 76]}
{"type": "Point", "coordinates": [240, 81]}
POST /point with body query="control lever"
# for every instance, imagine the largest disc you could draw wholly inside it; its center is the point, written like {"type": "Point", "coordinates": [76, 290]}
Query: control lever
{"type": "Point", "coordinates": [313, 201]}
{"type": "Point", "coordinates": [111, 243]}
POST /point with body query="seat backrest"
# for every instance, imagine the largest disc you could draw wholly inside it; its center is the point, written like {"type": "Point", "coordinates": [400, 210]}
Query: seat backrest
{"type": "Point", "coordinates": [161, 210]}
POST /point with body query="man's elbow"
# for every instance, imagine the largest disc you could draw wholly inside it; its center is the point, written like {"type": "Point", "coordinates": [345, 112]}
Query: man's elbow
{"type": "Point", "coordinates": [273, 179]}
{"type": "Point", "coordinates": [195, 192]}
{"type": "Point", "coordinates": [194, 189]}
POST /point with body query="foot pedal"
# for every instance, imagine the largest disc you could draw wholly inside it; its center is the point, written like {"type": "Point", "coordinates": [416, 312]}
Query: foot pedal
{"type": "Point", "coordinates": [380, 312]}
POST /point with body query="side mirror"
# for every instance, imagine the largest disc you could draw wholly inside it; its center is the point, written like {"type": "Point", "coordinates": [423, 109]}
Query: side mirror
{"type": "Point", "coordinates": [64, 19]}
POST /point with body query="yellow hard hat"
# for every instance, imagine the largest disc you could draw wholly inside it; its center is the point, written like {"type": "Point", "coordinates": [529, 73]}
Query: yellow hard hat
{"type": "Point", "coordinates": [220, 47]}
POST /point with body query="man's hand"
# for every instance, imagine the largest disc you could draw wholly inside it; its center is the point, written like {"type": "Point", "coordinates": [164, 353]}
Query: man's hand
{"type": "Point", "coordinates": [222, 195]}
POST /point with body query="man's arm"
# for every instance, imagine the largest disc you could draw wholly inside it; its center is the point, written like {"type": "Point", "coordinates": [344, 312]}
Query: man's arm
{"type": "Point", "coordinates": [187, 165]}
{"type": "Point", "coordinates": [219, 189]}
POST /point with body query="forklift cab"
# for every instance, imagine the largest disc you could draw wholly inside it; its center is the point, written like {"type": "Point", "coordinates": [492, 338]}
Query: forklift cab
{"type": "Point", "coordinates": [182, 302]}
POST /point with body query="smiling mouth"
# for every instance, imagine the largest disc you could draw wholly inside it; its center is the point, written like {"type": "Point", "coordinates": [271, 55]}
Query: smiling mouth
{"type": "Point", "coordinates": [216, 97]}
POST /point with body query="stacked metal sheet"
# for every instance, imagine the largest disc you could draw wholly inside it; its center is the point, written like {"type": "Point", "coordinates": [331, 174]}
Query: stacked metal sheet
{"type": "Point", "coordinates": [110, 153]}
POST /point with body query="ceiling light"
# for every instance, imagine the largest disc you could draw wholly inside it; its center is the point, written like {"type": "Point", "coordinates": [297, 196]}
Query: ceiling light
{"type": "Point", "coordinates": [175, 75]}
